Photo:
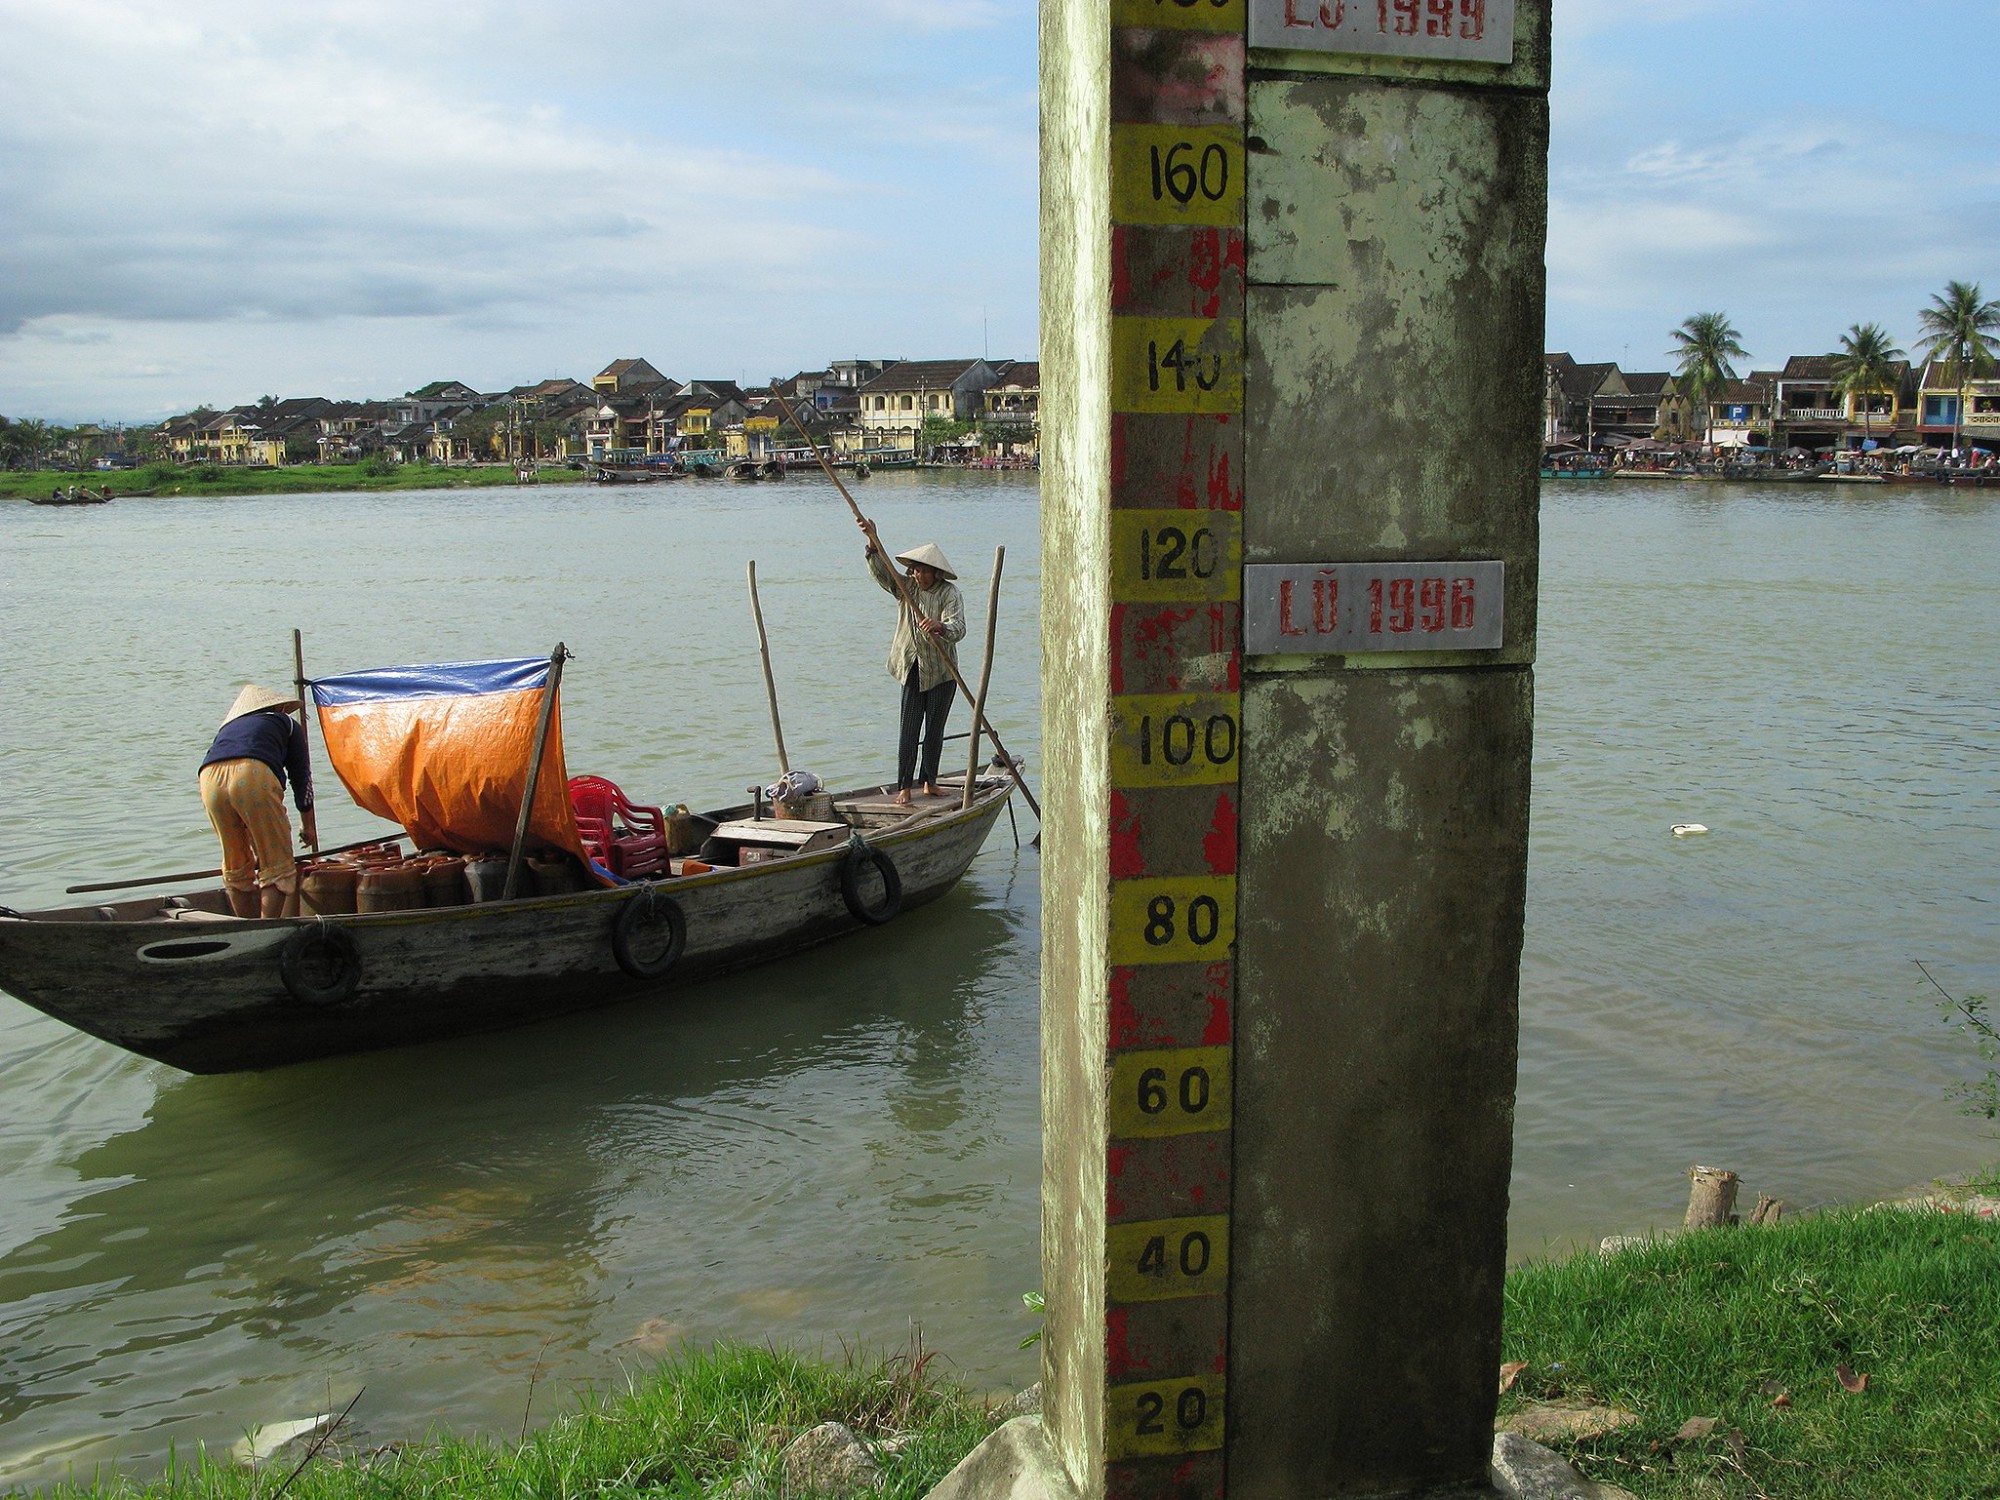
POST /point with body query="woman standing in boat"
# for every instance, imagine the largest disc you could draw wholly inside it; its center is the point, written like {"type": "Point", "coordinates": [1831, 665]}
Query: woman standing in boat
{"type": "Point", "coordinates": [243, 788]}
{"type": "Point", "coordinates": [922, 654]}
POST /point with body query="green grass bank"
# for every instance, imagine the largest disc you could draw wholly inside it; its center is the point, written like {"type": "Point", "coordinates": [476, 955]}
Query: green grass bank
{"type": "Point", "coordinates": [699, 1425]}
{"type": "Point", "coordinates": [1729, 1346]}
{"type": "Point", "coordinates": [160, 480]}
{"type": "Point", "coordinates": [1751, 1330]}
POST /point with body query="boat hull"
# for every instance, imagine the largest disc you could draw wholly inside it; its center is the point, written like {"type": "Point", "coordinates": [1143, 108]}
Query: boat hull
{"type": "Point", "coordinates": [209, 996]}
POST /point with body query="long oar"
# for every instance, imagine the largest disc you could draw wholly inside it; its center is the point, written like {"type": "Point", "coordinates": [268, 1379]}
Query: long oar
{"type": "Point", "coordinates": [131, 885]}
{"type": "Point", "coordinates": [904, 593]}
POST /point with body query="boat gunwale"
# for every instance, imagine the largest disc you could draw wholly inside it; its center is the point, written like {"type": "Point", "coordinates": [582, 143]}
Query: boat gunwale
{"type": "Point", "coordinates": [934, 821]}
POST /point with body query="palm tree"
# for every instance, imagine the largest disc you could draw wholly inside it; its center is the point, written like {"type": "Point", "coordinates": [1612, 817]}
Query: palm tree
{"type": "Point", "coordinates": [1865, 366]}
{"type": "Point", "coordinates": [1707, 342]}
{"type": "Point", "coordinates": [1959, 324]}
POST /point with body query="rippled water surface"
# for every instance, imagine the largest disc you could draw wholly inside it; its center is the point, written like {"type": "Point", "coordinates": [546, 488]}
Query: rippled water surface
{"type": "Point", "coordinates": [835, 1147]}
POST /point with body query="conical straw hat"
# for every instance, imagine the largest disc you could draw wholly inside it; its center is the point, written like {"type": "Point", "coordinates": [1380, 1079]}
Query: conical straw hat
{"type": "Point", "coordinates": [929, 556]}
{"type": "Point", "coordinates": [254, 698]}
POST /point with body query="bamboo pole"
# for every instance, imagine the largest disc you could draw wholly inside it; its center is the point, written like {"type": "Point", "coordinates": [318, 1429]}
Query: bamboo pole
{"type": "Point", "coordinates": [985, 675]}
{"type": "Point", "coordinates": [134, 884]}
{"type": "Point", "coordinates": [903, 593]}
{"type": "Point", "coordinates": [556, 660]}
{"type": "Point", "coordinates": [305, 737]}
{"type": "Point", "coordinates": [770, 682]}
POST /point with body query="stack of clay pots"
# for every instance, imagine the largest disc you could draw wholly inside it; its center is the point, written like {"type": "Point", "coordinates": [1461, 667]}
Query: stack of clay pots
{"type": "Point", "coordinates": [379, 879]}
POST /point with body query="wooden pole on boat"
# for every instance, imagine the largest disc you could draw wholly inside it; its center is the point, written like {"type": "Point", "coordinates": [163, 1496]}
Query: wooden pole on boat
{"type": "Point", "coordinates": [909, 600]}
{"type": "Point", "coordinates": [770, 682]}
{"type": "Point", "coordinates": [556, 660]}
{"type": "Point", "coordinates": [135, 883]}
{"type": "Point", "coordinates": [305, 738]}
{"type": "Point", "coordinates": [985, 675]}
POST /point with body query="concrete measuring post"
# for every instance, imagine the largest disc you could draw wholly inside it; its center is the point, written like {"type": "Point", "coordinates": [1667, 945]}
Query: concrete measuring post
{"type": "Point", "coordinates": [1292, 318]}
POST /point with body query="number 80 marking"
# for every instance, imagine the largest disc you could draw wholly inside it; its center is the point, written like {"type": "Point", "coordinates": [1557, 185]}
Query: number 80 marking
{"type": "Point", "coordinates": [1186, 919]}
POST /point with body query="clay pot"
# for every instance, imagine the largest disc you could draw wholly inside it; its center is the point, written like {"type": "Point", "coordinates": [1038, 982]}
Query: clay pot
{"type": "Point", "coordinates": [555, 877]}
{"type": "Point", "coordinates": [328, 890]}
{"type": "Point", "coordinates": [445, 883]}
{"type": "Point", "coordinates": [390, 888]}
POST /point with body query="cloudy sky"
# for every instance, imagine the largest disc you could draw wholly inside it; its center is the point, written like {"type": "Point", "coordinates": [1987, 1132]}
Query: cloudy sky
{"type": "Point", "coordinates": [204, 201]}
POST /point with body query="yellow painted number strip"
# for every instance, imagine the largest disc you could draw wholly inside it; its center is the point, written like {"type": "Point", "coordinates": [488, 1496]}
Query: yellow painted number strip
{"type": "Point", "coordinates": [1170, 1091]}
{"type": "Point", "coordinates": [1155, 1417]}
{"type": "Point", "coordinates": [1176, 556]}
{"type": "Point", "coordinates": [1177, 365]}
{"type": "Point", "coordinates": [1179, 15]}
{"type": "Point", "coordinates": [1180, 919]}
{"type": "Point", "coordinates": [1166, 1258]}
{"type": "Point", "coordinates": [1176, 174]}
{"type": "Point", "coordinates": [1175, 739]}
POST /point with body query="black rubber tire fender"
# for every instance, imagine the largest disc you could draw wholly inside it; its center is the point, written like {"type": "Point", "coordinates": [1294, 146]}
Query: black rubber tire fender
{"type": "Point", "coordinates": [321, 965]}
{"type": "Point", "coordinates": [636, 917]}
{"type": "Point", "coordinates": [860, 854]}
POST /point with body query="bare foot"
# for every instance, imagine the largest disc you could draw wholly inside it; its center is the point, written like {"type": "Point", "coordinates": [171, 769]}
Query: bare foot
{"type": "Point", "coordinates": [930, 789]}
{"type": "Point", "coordinates": [903, 797]}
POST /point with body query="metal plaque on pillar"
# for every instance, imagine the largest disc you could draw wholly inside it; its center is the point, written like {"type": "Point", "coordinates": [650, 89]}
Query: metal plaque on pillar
{"type": "Point", "coordinates": [1455, 30]}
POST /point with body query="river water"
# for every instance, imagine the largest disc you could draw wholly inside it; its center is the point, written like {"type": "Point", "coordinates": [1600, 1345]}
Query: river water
{"type": "Point", "coordinates": [842, 1147]}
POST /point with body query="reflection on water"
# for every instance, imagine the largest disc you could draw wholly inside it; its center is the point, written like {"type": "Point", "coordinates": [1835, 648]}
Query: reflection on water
{"type": "Point", "coordinates": [835, 1146]}
{"type": "Point", "coordinates": [799, 1150]}
{"type": "Point", "coordinates": [819, 1150]}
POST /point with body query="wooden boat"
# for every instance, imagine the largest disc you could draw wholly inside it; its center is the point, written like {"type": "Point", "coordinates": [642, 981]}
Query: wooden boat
{"type": "Point", "coordinates": [175, 978]}
{"type": "Point", "coordinates": [83, 499]}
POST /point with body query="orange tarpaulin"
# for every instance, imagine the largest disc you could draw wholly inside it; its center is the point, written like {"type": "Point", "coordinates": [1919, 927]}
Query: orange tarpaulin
{"type": "Point", "coordinates": [444, 750]}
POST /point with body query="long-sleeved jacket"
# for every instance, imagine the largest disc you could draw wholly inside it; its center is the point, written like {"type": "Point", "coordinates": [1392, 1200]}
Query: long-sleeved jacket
{"type": "Point", "coordinates": [273, 738]}
{"type": "Point", "coordinates": [928, 651]}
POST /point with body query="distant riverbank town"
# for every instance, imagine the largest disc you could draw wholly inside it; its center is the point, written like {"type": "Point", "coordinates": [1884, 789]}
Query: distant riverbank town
{"type": "Point", "coordinates": [1801, 406]}
{"type": "Point", "coordinates": [976, 412]}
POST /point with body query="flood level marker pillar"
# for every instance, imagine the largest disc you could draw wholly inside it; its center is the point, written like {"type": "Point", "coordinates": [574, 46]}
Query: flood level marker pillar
{"type": "Point", "coordinates": [1292, 312]}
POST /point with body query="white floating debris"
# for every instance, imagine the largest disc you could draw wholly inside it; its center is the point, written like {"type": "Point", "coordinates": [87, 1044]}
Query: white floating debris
{"type": "Point", "coordinates": [273, 1436]}
{"type": "Point", "coordinates": [1687, 830]}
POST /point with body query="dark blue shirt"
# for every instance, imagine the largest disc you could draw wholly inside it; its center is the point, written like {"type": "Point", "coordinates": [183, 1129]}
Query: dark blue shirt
{"type": "Point", "coordinates": [272, 737]}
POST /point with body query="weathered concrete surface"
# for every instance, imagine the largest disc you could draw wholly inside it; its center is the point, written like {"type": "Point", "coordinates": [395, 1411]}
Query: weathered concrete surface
{"type": "Point", "coordinates": [1076, 485]}
{"type": "Point", "coordinates": [1017, 1462]}
{"type": "Point", "coordinates": [1394, 320]}
{"type": "Point", "coordinates": [1395, 327]}
{"type": "Point", "coordinates": [1382, 887]}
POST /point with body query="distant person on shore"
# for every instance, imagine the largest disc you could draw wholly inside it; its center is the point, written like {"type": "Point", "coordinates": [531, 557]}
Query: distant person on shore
{"type": "Point", "coordinates": [243, 789]}
{"type": "Point", "coordinates": [921, 656]}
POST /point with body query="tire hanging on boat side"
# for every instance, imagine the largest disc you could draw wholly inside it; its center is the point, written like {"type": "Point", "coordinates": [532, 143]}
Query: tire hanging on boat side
{"type": "Point", "coordinates": [320, 964]}
{"type": "Point", "coordinates": [860, 854]}
{"type": "Point", "coordinates": [638, 919]}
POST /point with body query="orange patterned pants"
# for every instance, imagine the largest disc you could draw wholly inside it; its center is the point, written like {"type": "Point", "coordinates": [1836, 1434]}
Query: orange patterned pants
{"type": "Point", "coordinates": [246, 803]}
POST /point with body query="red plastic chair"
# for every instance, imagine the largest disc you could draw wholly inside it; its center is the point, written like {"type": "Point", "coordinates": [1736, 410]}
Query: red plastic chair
{"type": "Point", "coordinates": [627, 838]}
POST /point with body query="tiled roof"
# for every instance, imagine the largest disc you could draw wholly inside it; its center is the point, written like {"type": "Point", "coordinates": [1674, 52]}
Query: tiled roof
{"type": "Point", "coordinates": [924, 374]}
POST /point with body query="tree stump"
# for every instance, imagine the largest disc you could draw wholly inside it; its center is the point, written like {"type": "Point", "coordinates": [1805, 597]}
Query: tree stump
{"type": "Point", "coordinates": [1767, 1210]}
{"type": "Point", "coordinates": [1711, 1198]}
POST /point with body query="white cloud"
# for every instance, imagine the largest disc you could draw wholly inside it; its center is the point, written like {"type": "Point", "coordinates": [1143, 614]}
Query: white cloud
{"type": "Point", "coordinates": [439, 174]}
